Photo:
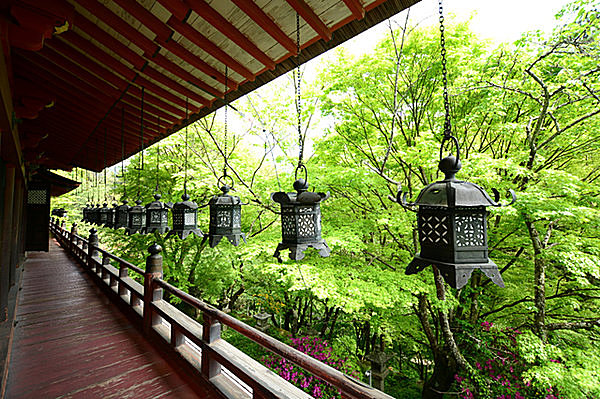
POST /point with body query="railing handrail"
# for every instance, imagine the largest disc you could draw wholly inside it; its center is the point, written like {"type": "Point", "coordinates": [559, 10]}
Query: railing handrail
{"type": "Point", "coordinates": [321, 370]}
{"type": "Point", "coordinates": [350, 387]}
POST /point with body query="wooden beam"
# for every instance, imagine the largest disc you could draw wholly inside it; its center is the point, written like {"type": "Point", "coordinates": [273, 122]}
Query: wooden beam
{"type": "Point", "coordinates": [311, 18]}
{"type": "Point", "coordinates": [202, 8]}
{"type": "Point", "coordinates": [10, 146]}
{"type": "Point", "coordinates": [264, 21]}
{"type": "Point", "coordinates": [356, 7]}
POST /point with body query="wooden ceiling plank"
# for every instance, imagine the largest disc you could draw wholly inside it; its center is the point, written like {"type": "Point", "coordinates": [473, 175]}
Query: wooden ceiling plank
{"type": "Point", "coordinates": [81, 22]}
{"type": "Point", "coordinates": [209, 47]}
{"type": "Point", "coordinates": [206, 12]}
{"type": "Point", "coordinates": [179, 9]}
{"type": "Point", "coordinates": [114, 21]}
{"type": "Point", "coordinates": [266, 23]}
{"type": "Point", "coordinates": [311, 18]}
{"type": "Point", "coordinates": [186, 76]}
{"type": "Point", "coordinates": [163, 35]}
{"type": "Point", "coordinates": [356, 8]}
{"type": "Point", "coordinates": [184, 91]}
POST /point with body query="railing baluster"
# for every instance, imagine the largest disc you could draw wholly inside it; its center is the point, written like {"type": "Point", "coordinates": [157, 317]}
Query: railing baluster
{"type": "Point", "coordinates": [73, 241]}
{"type": "Point", "coordinates": [151, 291]}
{"type": "Point", "coordinates": [93, 242]}
{"type": "Point", "coordinates": [123, 272]}
{"type": "Point", "coordinates": [211, 331]}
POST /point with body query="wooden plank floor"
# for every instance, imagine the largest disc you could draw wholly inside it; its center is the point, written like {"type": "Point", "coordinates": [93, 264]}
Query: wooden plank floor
{"type": "Point", "coordinates": [70, 341]}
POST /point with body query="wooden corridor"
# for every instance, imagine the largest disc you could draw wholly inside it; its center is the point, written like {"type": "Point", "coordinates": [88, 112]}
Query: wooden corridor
{"type": "Point", "coordinates": [70, 341]}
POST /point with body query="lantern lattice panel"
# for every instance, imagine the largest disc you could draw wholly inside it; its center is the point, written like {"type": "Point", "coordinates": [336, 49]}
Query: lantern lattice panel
{"type": "Point", "coordinates": [306, 222]}
{"type": "Point", "coordinates": [288, 226]}
{"type": "Point", "coordinates": [237, 217]}
{"type": "Point", "coordinates": [37, 197]}
{"type": "Point", "coordinates": [434, 229]}
{"type": "Point", "coordinates": [136, 219]}
{"type": "Point", "coordinates": [469, 230]}
{"type": "Point", "coordinates": [223, 218]}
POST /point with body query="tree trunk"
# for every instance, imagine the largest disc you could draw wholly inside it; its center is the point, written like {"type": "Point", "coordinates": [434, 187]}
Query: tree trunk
{"type": "Point", "coordinates": [539, 320]}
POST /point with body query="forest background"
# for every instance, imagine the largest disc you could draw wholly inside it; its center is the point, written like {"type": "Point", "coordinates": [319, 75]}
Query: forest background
{"type": "Point", "coordinates": [527, 117]}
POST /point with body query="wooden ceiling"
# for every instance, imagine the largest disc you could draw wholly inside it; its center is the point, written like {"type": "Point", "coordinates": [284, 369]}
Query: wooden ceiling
{"type": "Point", "coordinates": [78, 69]}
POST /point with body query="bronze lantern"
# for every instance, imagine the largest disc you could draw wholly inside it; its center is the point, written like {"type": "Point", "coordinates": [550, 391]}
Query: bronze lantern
{"type": "Point", "coordinates": [121, 215]}
{"type": "Point", "coordinates": [86, 213]}
{"type": "Point", "coordinates": [451, 222]}
{"type": "Point", "coordinates": [136, 220]}
{"type": "Point", "coordinates": [157, 216]}
{"type": "Point", "coordinates": [103, 214]}
{"type": "Point", "coordinates": [225, 218]}
{"type": "Point", "coordinates": [300, 221]}
{"type": "Point", "coordinates": [185, 218]}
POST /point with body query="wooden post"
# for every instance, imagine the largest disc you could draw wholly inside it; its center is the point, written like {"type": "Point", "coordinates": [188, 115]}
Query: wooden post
{"type": "Point", "coordinates": [73, 242]}
{"type": "Point", "coordinates": [103, 271]}
{"type": "Point", "coordinates": [154, 270]}
{"type": "Point", "coordinates": [211, 331]}
{"type": "Point", "coordinates": [93, 241]}
{"type": "Point", "coordinates": [123, 272]}
{"type": "Point", "coordinates": [63, 224]}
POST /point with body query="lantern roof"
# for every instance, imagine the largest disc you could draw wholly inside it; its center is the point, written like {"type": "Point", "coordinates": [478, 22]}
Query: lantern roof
{"type": "Point", "coordinates": [452, 193]}
{"type": "Point", "coordinates": [157, 203]}
{"type": "Point", "coordinates": [185, 203]}
{"type": "Point", "coordinates": [137, 207]}
{"type": "Point", "coordinates": [301, 196]}
{"type": "Point", "coordinates": [123, 206]}
{"type": "Point", "coordinates": [225, 198]}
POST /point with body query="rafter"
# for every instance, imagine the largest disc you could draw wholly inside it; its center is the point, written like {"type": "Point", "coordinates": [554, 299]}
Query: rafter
{"type": "Point", "coordinates": [311, 18]}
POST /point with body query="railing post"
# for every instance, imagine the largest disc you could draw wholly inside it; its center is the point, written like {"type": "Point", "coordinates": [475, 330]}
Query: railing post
{"type": "Point", "coordinates": [73, 242]}
{"type": "Point", "coordinates": [123, 272]}
{"type": "Point", "coordinates": [93, 242]}
{"type": "Point", "coordinates": [154, 269]}
{"type": "Point", "coordinates": [103, 271]}
{"type": "Point", "coordinates": [211, 331]}
{"type": "Point", "coordinates": [63, 224]}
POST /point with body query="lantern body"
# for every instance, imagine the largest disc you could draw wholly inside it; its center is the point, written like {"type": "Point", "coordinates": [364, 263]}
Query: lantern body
{"type": "Point", "coordinates": [103, 215]}
{"type": "Point", "coordinates": [157, 216]}
{"type": "Point", "coordinates": [136, 220]}
{"type": "Point", "coordinates": [121, 215]}
{"type": "Point", "coordinates": [300, 221]}
{"type": "Point", "coordinates": [225, 219]}
{"type": "Point", "coordinates": [86, 213]}
{"type": "Point", "coordinates": [94, 215]}
{"type": "Point", "coordinates": [451, 221]}
{"type": "Point", "coordinates": [185, 218]}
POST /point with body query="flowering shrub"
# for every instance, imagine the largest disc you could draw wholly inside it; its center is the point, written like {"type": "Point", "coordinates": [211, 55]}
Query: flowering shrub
{"type": "Point", "coordinates": [501, 373]}
{"type": "Point", "coordinates": [318, 349]}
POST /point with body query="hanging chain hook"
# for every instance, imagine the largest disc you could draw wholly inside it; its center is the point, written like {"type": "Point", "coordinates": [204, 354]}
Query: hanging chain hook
{"type": "Point", "coordinates": [156, 189]}
{"type": "Point", "coordinates": [299, 102]}
{"type": "Point", "coordinates": [225, 155]}
{"type": "Point", "coordinates": [447, 124]}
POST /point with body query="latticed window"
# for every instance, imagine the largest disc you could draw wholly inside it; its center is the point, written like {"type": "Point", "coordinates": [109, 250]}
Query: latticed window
{"type": "Point", "coordinates": [434, 229]}
{"type": "Point", "coordinates": [469, 230]}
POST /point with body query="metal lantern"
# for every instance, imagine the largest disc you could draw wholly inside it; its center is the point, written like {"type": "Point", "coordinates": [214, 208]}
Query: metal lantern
{"type": "Point", "coordinates": [110, 221]}
{"type": "Point", "coordinates": [451, 221]}
{"type": "Point", "coordinates": [300, 221]}
{"type": "Point", "coordinates": [225, 218]}
{"type": "Point", "coordinates": [185, 218]}
{"type": "Point", "coordinates": [121, 215]}
{"type": "Point", "coordinates": [157, 216]}
{"type": "Point", "coordinates": [86, 213]}
{"type": "Point", "coordinates": [136, 218]}
{"type": "Point", "coordinates": [103, 214]}
{"type": "Point", "coordinates": [93, 214]}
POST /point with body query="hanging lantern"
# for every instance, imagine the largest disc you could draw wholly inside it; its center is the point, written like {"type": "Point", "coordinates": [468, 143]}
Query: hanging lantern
{"type": "Point", "coordinates": [121, 215]}
{"type": "Point", "coordinates": [225, 218]}
{"type": "Point", "coordinates": [185, 218]}
{"type": "Point", "coordinates": [86, 213]}
{"type": "Point", "coordinates": [157, 216]}
{"type": "Point", "coordinates": [103, 214]}
{"type": "Point", "coordinates": [94, 215]}
{"type": "Point", "coordinates": [451, 221]}
{"type": "Point", "coordinates": [136, 218]}
{"type": "Point", "coordinates": [110, 222]}
{"type": "Point", "coordinates": [300, 221]}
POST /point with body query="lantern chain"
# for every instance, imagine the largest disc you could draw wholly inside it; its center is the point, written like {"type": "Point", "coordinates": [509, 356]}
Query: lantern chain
{"type": "Point", "coordinates": [186, 148]}
{"type": "Point", "coordinates": [157, 158]}
{"type": "Point", "coordinates": [225, 136]}
{"type": "Point", "coordinates": [104, 165]}
{"type": "Point", "coordinates": [447, 124]}
{"type": "Point", "coordinates": [298, 94]}
{"type": "Point", "coordinates": [123, 151]}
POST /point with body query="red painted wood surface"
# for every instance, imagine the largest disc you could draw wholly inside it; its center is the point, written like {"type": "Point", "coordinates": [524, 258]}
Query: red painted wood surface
{"type": "Point", "coordinates": [70, 341]}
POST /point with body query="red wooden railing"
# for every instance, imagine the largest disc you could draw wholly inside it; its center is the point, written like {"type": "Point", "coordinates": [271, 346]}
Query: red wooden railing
{"type": "Point", "coordinates": [231, 371]}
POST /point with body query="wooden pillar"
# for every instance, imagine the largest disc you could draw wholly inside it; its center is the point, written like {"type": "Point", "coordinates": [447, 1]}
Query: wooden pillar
{"type": "Point", "coordinates": [211, 331]}
{"type": "Point", "coordinates": [154, 269]}
{"type": "Point", "coordinates": [6, 239]}
{"type": "Point", "coordinates": [16, 227]}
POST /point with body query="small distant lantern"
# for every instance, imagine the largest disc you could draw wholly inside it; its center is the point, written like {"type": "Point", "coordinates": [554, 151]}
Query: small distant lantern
{"type": "Point", "coordinates": [157, 216]}
{"type": "Point", "coordinates": [451, 221]}
{"type": "Point", "coordinates": [110, 221]}
{"type": "Point", "coordinates": [300, 221]}
{"type": "Point", "coordinates": [225, 218]}
{"type": "Point", "coordinates": [136, 218]}
{"type": "Point", "coordinates": [86, 213]}
{"type": "Point", "coordinates": [121, 215]}
{"type": "Point", "coordinates": [103, 214]}
{"type": "Point", "coordinates": [185, 218]}
{"type": "Point", "coordinates": [93, 214]}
